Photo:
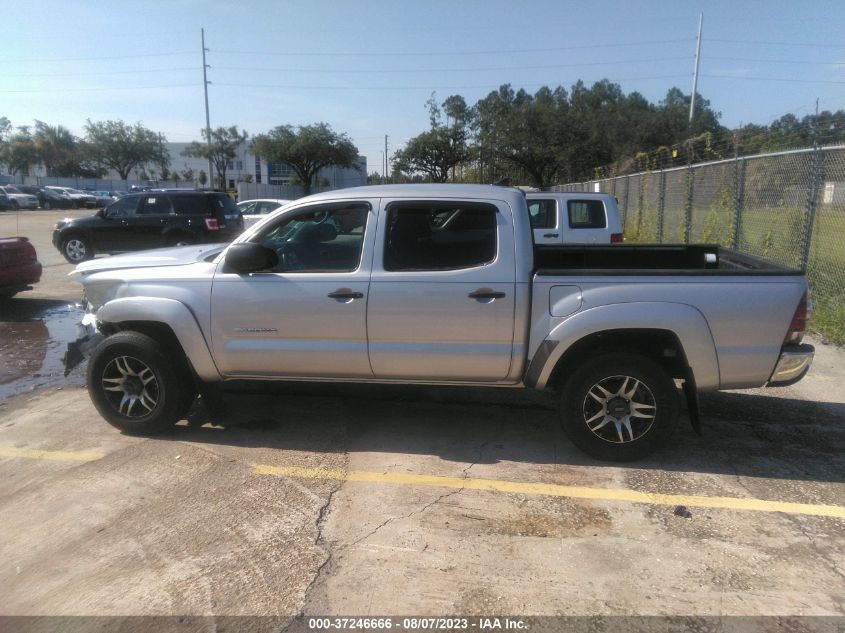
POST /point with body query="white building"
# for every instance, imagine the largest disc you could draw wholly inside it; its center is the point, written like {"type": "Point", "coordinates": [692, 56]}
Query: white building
{"type": "Point", "coordinates": [246, 166]}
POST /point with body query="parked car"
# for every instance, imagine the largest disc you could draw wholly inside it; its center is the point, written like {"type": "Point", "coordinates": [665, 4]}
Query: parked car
{"type": "Point", "coordinates": [48, 198]}
{"type": "Point", "coordinates": [80, 198]}
{"type": "Point", "coordinates": [255, 210]}
{"type": "Point", "coordinates": [19, 266]}
{"type": "Point", "coordinates": [149, 220]}
{"type": "Point", "coordinates": [5, 203]}
{"type": "Point", "coordinates": [104, 198]}
{"type": "Point", "coordinates": [443, 284]}
{"type": "Point", "coordinates": [574, 218]}
{"type": "Point", "coordinates": [18, 199]}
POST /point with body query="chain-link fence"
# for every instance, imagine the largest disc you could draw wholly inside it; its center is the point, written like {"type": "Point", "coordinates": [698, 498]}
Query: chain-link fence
{"type": "Point", "coordinates": [788, 207]}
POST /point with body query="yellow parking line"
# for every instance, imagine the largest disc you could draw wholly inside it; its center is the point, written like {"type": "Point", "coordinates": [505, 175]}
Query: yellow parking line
{"type": "Point", "coordinates": [59, 456]}
{"type": "Point", "coordinates": [554, 490]}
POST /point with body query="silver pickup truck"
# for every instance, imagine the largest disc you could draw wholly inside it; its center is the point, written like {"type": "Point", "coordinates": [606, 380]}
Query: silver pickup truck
{"type": "Point", "coordinates": [441, 284]}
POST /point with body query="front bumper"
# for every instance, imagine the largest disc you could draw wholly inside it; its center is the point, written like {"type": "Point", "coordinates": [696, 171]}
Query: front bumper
{"type": "Point", "coordinates": [88, 338]}
{"type": "Point", "coordinates": [793, 365]}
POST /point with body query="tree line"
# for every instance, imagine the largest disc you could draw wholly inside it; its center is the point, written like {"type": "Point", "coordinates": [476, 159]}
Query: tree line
{"type": "Point", "coordinates": [556, 136]}
{"type": "Point", "coordinates": [133, 148]}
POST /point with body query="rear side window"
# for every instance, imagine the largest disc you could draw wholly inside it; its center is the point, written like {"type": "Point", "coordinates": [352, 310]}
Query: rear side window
{"type": "Point", "coordinates": [157, 204]}
{"type": "Point", "coordinates": [224, 203]}
{"type": "Point", "coordinates": [542, 213]}
{"type": "Point", "coordinates": [586, 214]}
{"type": "Point", "coordinates": [191, 205]}
{"type": "Point", "coordinates": [423, 236]}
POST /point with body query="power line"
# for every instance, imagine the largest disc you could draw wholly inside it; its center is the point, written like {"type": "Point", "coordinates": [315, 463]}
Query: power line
{"type": "Point", "coordinates": [774, 61]}
{"type": "Point", "coordinates": [63, 90]}
{"type": "Point", "coordinates": [448, 70]}
{"type": "Point", "coordinates": [790, 80]}
{"type": "Point", "coordinates": [448, 54]}
{"type": "Point", "coordinates": [104, 72]}
{"type": "Point", "coordinates": [85, 59]}
{"type": "Point", "coordinates": [767, 43]}
{"type": "Point", "coordinates": [394, 87]}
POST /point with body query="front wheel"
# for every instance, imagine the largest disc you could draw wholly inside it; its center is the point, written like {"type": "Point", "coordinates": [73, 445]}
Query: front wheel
{"type": "Point", "coordinates": [619, 407]}
{"type": "Point", "coordinates": [77, 249]}
{"type": "Point", "coordinates": [135, 386]}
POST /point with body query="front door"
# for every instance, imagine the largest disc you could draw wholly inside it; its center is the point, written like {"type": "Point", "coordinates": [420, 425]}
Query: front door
{"type": "Point", "coordinates": [544, 221]}
{"type": "Point", "coordinates": [114, 231]}
{"type": "Point", "coordinates": [441, 304]}
{"type": "Point", "coordinates": [305, 317]}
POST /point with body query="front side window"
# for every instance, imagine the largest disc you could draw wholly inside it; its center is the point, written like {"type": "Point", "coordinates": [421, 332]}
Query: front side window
{"type": "Point", "coordinates": [440, 236]}
{"type": "Point", "coordinates": [123, 207]}
{"type": "Point", "coordinates": [323, 238]}
{"type": "Point", "coordinates": [542, 214]}
{"type": "Point", "coordinates": [586, 214]}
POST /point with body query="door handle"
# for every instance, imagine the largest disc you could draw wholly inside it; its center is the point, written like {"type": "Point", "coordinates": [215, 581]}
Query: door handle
{"type": "Point", "coordinates": [346, 294]}
{"type": "Point", "coordinates": [552, 235]}
{"type": "Point", "coordinates": [486, 294]}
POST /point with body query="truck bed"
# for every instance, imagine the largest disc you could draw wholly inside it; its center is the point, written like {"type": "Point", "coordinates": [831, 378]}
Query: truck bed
{"type": "Point", "coordinates": [651, 259]}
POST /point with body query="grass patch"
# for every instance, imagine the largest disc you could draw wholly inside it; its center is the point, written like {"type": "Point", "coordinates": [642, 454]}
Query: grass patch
{"type": "Point", "coordinates": [829, 319]}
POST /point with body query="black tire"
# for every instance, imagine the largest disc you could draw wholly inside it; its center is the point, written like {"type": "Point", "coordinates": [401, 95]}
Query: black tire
{"type": "Point", "coordinates": [629, 434]}
{"type": "Point", "coordinates": [76, 249]}
{"type": "Point", "coordinates": [137, 367]}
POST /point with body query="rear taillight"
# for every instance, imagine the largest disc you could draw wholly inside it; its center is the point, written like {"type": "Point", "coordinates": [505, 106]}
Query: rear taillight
{"type": "Point", "coordinates": [211, 224]}
{"type": "Point", "coordinates": [616, 238]}
{"type": "Point", "coordinates": [799, 322]}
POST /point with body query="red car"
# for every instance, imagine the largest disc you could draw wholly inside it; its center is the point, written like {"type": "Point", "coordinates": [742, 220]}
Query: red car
{"type": "Point", "coordinates": [19, 266]}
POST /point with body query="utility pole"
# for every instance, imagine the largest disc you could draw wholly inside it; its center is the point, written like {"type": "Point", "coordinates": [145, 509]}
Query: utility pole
{"type": "Point", "coordinates": [205, 83]}
{"type": "Point", "coordinates": [386, 161]}
{"type": "Point", "coordinates": [695, 72]}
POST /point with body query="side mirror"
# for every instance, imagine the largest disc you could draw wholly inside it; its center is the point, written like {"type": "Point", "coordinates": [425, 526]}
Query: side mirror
{"type": "Point", "coordinates": [249, 257]}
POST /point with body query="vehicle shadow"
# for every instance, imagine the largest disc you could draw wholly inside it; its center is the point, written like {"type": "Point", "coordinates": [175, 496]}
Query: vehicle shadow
{"type": "Point", "coordinates": [744, 434]}
{"type": "Point", "coordinates": [21, 308]}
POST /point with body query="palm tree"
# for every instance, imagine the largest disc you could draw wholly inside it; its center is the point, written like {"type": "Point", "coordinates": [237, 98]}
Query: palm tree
{"type": "Point", "coordinates": [56, 148]}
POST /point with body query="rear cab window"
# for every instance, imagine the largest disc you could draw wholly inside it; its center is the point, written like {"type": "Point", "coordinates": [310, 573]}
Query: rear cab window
{"type": "Point", "coordinates": [190, 205]}
{"type": "Point", "coordinates": [586, 214]}
{"type": "Point", "coordinates": [423, 236]}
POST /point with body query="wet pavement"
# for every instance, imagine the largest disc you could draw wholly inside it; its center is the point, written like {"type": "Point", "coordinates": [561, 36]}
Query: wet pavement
{"type": "Point", "coordinates": [33, 338]}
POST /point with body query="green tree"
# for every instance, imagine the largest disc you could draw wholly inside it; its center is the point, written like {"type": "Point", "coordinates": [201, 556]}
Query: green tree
{"type": "Point", "coordinates": [307, 149]}
{"type": "Point", "coordinates": [123, 147]}
{"type": "Point", "coordinates": [57, 149]}
{"type": "Point", "coordinates": [440, 149]}
{"type": "Point", "coordinates": [202, 178]}
{"type": "Point", "coordinates": [188, 174]}
{"type": "Point", "coordinates": [220, 151]}
{"type": "Point", "coordinates": [18, 152]}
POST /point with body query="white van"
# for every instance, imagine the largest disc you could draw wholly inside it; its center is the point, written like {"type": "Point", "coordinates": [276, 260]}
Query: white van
{"type": "Point", "coordinates": [574, 218]}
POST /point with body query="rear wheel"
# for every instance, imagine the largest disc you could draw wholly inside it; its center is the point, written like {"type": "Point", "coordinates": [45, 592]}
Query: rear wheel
{"type": "Point", "coordinates": [135, 386]}
{"type": "Point", "coordinates": [619, 407]}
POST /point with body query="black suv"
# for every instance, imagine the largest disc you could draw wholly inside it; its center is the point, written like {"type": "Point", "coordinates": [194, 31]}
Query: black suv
{"type": "Point", "coordinates": [150, 220]}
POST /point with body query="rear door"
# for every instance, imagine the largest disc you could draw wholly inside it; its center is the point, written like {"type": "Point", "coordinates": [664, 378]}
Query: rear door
{"type": "Point", "coordinates": [584, 221]}
{"type": "Point", "coordinates": [441, 304]}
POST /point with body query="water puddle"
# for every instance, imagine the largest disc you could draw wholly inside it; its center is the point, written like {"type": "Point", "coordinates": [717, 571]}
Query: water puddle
{"type": "Point", "coordinates": [33, 338]}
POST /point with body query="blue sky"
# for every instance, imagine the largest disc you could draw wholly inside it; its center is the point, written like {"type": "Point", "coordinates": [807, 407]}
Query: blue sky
{"type": "Point", "coordinates": [367, 67]}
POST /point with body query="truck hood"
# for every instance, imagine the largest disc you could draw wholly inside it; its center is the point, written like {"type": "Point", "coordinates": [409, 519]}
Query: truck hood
{"type": "Point", "coordinates": [178, 256]}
